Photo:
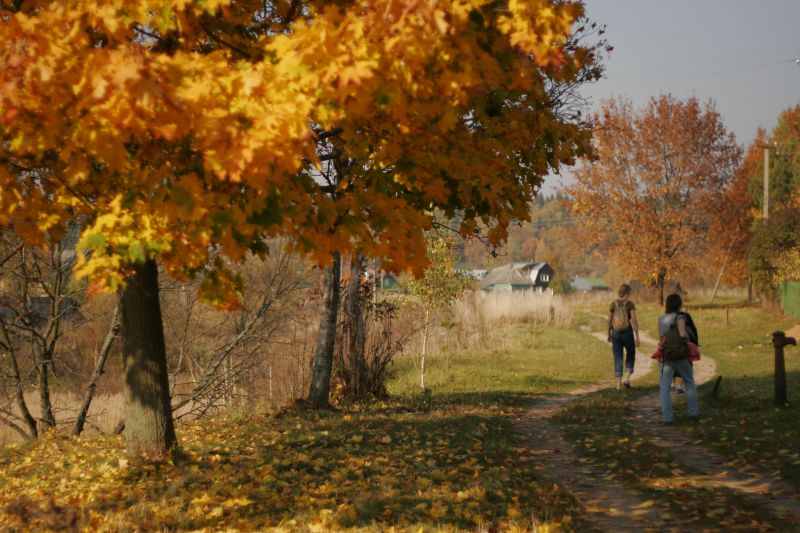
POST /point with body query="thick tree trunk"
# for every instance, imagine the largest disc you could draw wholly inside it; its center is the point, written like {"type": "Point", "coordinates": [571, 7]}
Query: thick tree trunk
{"type": "Point", "coordinates": [148, 418]}
{"type": "Point", "coordinates": [326, 338]}
{"type": "Point", "coordinates": [99, 366]}
{"type": "Point", "coordinates": [662, 277]}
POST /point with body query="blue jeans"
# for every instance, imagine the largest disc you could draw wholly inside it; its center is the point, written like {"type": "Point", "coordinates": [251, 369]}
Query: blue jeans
{"type": "Point", "coordinates": [620, 340]}
{"type": "Point", "coordinates": [684, 366]}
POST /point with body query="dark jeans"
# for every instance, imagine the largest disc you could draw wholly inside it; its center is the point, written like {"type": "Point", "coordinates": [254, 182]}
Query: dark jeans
{"type": "Point", "coordinates": [620, 340]}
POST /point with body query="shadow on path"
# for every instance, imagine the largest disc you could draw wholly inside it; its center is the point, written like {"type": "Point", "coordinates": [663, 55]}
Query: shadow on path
{"type": "Point", "coordinates": [610, 504]}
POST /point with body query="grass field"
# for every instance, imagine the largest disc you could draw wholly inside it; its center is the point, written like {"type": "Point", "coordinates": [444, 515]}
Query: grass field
{"type": "Point", "coordinates": [531, 359]}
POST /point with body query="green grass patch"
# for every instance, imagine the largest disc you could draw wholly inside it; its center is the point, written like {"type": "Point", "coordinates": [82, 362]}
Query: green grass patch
{"type": "Point", "coordinates": [531, 359]}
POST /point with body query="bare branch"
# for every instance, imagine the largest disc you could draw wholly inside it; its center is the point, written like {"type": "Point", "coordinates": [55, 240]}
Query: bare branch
{"type": "Point", "coordinates": [100, 363]}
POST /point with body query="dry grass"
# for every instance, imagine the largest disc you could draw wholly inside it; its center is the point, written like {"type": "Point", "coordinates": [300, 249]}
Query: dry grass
{"type": "Point", "coordinates": [476, 322]}
{"type": "Point", "coordinates": [279, 380]}
{"type": "Point", "coordinates": [105, 412]}
{"type": "Point", "coordinates": [527, 306]}
{"type": "Point", "coordinates": [703, 294]}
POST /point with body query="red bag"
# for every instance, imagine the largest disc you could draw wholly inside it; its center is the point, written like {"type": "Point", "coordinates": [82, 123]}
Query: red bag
{"type": "Point", "coordinates": [694, 352]}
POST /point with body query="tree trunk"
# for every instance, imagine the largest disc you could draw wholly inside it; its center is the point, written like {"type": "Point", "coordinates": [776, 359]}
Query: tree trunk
{"type": "Point", "coordinates": [148, 418]}
{"type": "Point", "coordinates": [326, 338]}
{"type": "Point", "coordinates": [355, 318]}
{"type": "Point", "coordinates": [662, 277]}
{"type": "Point", "coordinates": [19, 395]}
{"type": "Point", "coordinates": [46, 419]}
{"type": "Point", "coordinates": [99, 366]}
{"type": "Point", "coordinates": [721, 271]}
{"type": "Point", "coordinates": [424, 349]}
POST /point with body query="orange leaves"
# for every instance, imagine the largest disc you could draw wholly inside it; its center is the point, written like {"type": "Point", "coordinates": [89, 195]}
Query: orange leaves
{"type": "Point", "coordinates": [660, 174]}
{"type": "Point", "coordinates": [9, 115]}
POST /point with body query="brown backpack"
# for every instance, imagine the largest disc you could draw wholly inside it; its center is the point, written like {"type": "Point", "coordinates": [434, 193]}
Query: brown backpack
{"type": "Point", "coordinates": [676, 348]}
{"type": "Point", "coordinates": [620, 320]}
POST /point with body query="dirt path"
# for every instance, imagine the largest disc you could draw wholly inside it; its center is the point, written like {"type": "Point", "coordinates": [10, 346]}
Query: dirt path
{"type": "Point", "coordinates": [613, 507]}
{"type": "Point", "coordinates": [609, 505]}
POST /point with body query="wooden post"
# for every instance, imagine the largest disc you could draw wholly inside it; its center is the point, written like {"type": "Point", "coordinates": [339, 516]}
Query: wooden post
{"type": "Point", "coordinates": [779, 340]}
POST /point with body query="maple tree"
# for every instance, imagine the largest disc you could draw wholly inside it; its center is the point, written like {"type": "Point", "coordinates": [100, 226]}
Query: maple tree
{"type": "Point", "coordinates": [733, 217]}
{"type": "Point", "coordinates": [659, 174]}
{"type": "Point", "coordinates": [173, 129]}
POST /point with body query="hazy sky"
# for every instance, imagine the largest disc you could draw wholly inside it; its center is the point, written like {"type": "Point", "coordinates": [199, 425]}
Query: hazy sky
{"type": "Point", "coordinates": [740, 53]}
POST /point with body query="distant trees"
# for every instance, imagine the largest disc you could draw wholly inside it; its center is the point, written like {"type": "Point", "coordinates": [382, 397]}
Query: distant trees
{"type": "Point", "coordinates": [783, 144]}
{"type": "Point", "coordinates": [661, 173]}
{"type": "Point", "coordinates": [774, 255]}
{"type": "Point", "coordinates": [732, 220]}
{"type": "Point", "coordinates": [775, 246]}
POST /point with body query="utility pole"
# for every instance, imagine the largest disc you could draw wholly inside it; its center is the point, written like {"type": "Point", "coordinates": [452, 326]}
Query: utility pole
{"type": "Point", "coordinates": [766, 181]}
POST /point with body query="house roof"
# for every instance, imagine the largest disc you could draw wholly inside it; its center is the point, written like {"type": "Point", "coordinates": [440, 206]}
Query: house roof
{"type": "Point", "coordinates": [513, 274]}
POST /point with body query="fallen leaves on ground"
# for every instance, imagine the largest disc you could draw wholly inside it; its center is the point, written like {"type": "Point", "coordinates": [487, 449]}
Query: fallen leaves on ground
{"type": "Point", "coordinates": [448, 469]}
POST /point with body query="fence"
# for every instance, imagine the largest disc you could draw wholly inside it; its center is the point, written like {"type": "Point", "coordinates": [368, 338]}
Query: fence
{"type": "Point", "coordinates": [790, 297]}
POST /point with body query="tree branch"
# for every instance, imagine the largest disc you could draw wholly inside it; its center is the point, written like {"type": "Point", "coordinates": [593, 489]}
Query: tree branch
{"type": "Point", "coordinates": [100, 364]}
{"type": "Point", "coordinates": [12, 254]}
{"type": "Point", "coordinates": [231, 46]}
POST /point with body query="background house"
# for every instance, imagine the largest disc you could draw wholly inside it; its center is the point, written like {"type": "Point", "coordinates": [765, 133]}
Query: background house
{"type": "Point", "coordinates": [474, 273]}
{"type": "Point", "coordinates": [383, 281]}
{"type": "Point", "coordinates": [518, 277]}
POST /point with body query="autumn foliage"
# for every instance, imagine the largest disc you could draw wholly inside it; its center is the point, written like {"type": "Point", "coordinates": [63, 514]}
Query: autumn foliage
{"type": "Point", "coordinates": [651, 196]}
{"type": "Point", "coordinates": [175, 126]}
{"type": "Point", "coordinates": [775, 246]}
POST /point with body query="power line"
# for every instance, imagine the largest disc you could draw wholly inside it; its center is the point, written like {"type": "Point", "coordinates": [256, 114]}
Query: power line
{"type": "Point", "coordinates": [700, 63]}
{"type": "Point", "coordinates": [702, 74]}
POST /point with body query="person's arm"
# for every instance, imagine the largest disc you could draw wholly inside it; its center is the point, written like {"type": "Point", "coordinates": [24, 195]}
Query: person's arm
{"type": "Point", "coordinates": [681, 322]}
{"type": "Point", "coordinates": [692, 329]}
{"type": "Point", "coordinates": [609, 327]}
{"type": "Point", "coordinates": [635, 324]}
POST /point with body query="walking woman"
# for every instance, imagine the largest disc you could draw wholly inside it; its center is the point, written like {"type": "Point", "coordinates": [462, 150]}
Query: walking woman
{"type": "Point", "coordinates": [675, 354]}
{"type": "Point", "coordinates": [623, 333]}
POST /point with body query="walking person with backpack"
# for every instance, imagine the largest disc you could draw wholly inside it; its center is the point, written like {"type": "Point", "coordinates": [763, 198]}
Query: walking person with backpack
{"type": "Point", "coordinates": [623, 334]}
{"type": "Point", "coordinates": [676, 351]}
